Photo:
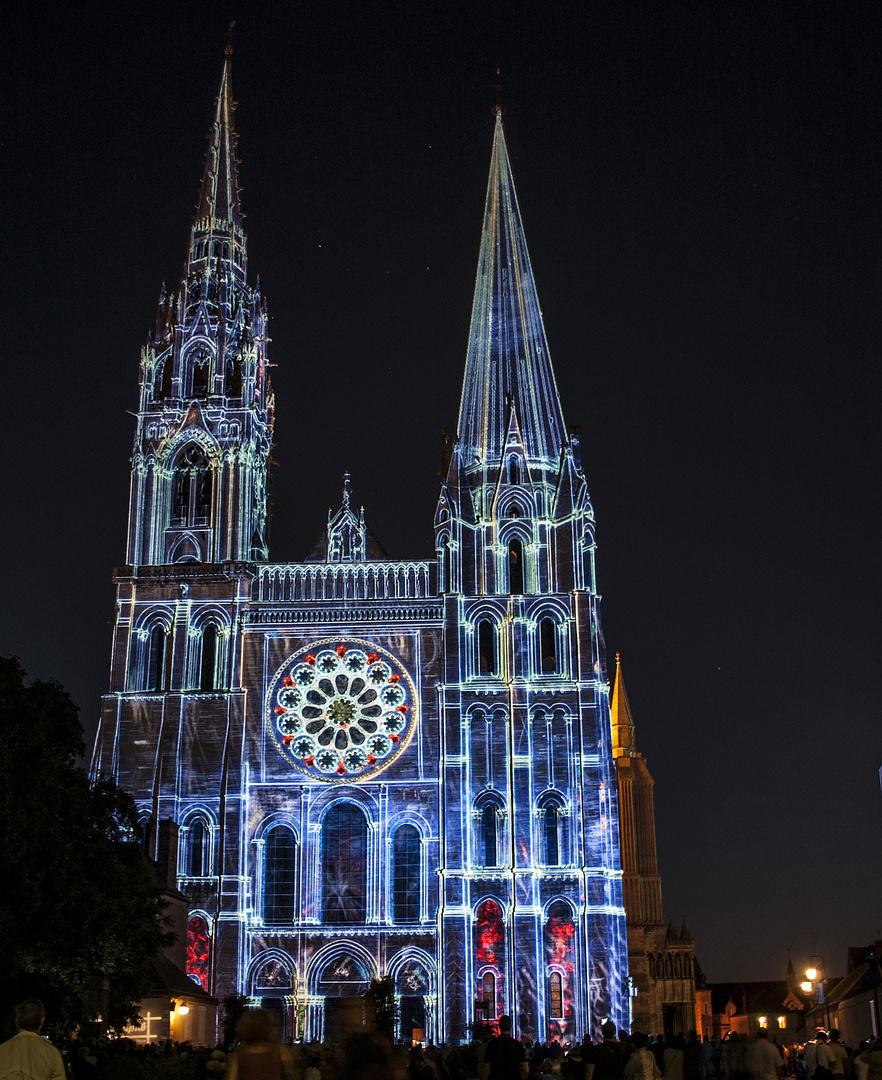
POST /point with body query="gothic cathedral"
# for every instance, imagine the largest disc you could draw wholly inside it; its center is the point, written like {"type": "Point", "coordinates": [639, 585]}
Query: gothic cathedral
{"type": "Point", "coordinates": [375, 767]}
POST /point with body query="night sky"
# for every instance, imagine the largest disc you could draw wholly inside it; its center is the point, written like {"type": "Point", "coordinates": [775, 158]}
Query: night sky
{"type": "Point", "coordinates": [699, 188]}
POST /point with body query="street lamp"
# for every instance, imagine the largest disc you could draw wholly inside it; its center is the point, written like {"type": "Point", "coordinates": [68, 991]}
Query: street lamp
{"type": "Point", "coordinates": [816, 983]}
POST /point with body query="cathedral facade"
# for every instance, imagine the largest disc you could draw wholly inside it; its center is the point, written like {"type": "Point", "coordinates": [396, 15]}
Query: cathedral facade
{"type": "Point", "coordinates": [375, 767]}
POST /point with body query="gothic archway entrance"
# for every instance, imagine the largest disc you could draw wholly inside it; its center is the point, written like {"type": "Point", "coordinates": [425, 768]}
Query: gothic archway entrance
{"type": "Point", "coordinates": [342, 982]}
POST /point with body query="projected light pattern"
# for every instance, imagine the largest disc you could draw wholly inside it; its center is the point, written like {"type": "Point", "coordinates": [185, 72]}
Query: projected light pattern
{"type": "Point", "coordinates": [198, 950]}
{"type": "Point", "coordinates": [379, 767]}
{"type": "Point", "coordinates": [343, 712]}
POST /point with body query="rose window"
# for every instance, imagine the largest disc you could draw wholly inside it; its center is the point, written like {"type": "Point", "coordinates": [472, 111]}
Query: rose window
{"type": "Point", "coordinates": [341, 712]}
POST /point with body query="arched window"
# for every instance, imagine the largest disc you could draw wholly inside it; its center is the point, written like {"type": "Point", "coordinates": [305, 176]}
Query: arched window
{"type": "Point", "coordinates": [489, 953]}
{"type": "Point", "coordinates": [344, 865]}
{"type": "Point", "coordinates": [233, 375]}
{"type": "Point", "coordinates": [201, 370]}
{"type": "Point", "coordinates": [155, 668]}
{"type": "Point", "coordinates": [278, 875]}
{"type": "Point", "coordinates": [486, 647]}
{"type": "Point", "coordinates": [515, 567]}
{"type": "Point", "coordinates": [444, 564]}
{"type": "Point", "coordinates": [514, 471]}
{"type": "Point", "coordinates": [191, 488]}
{"type": "Point", "coordinates": [548, 646]}
{"type": "Point", "coordinates": [669, 967]}
{"type": "Point", "coordinates": [488, 995]}
{"type": "Point", "coordinates": [560, 933]}
{"type": "Point", "coordinates": [555, 996]}
{"type": "Point", "coordinates": [197, 846]}
{"type": "Point", "coordinates": [678, 966]}
{"type": "Point", "coordinates": [487, 847]}
{"type": "Point", "coordinates": [651, 960]}
{"type": "Point", "coordinates": [406, 875]}
{"type": "Point", "coordinates": [198, 951]}
{"type": "Point", "coordinates": [553, 839]}
{"type": "Point", "coordinates": [208, 659]}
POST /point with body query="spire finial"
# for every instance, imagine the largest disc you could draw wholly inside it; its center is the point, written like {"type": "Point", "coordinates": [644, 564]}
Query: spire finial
{"type": "Point", "coordinates": [497, 86]}
{"type": "Point", "coordinates": [228, 48]}
{"type": "Point", "coordinates": [347, 489]}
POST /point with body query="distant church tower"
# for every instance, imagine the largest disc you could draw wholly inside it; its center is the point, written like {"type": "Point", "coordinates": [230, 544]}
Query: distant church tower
{"type": "Point", "coordinates": [378, 767]}
{"type": "Point", "coordinates": [661, 961]}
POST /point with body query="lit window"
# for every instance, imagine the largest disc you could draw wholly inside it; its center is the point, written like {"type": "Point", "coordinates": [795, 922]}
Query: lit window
{"type": "Point", "coordinates": [555, 996]}
{"type": "Point", "coordinates": [782, 1021]}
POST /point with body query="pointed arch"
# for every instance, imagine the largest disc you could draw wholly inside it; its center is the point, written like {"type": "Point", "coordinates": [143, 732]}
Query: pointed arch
{"type": "Point", "coordinates": [156, 666]}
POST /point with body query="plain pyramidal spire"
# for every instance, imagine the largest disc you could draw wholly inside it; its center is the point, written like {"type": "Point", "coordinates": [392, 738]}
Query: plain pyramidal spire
{"type": "Point", "coordinates": [507, 366]}
{"type": "Point", "coordinates": [219, 195]}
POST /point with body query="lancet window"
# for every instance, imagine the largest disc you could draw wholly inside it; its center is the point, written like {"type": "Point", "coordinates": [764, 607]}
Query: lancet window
{"type": "Point", "coordinates": [197, 848]}
{"type": "Point", "coordinates": [279, 866]}
{"type": "Point", "coordinates": [515, 567]}
{"type": "Point", "coordinates": [553, 818]}
{"type": "Point", "coordinates": [155, 668]}
{"type": "Point", "coordinates": [344, 865]}
{"type": "Point", "coordinates": [489, 816]}
{"type": "Point", "coordinates": [487, 647]}
{"type": "Point", "coordinates": [191, 491]}
{"type": "Point", "coordinates": [548, 646]}
{"type": "Point", "coordinates": [208, 658]}
{"type": "Point", "coordinates": [406, 874]}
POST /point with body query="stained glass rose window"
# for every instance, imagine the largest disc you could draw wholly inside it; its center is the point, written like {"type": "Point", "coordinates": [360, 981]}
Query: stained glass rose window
{"type": "Point", "coordinates": [341, 710]}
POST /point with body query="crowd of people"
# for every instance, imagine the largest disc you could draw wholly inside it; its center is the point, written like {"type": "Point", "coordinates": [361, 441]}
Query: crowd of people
{"type": "Point", "coordinates": [259, 1054]}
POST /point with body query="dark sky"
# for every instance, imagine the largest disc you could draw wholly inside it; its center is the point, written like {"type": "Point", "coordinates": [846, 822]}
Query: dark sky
{"type": "Point", "coordinates": [699, 188]}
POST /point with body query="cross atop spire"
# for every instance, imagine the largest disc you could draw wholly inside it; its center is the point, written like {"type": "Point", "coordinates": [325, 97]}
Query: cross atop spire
{"type": "Point", "coordinates": [507, 364]}
{"type": "Point", "coordinates": [219, 196]}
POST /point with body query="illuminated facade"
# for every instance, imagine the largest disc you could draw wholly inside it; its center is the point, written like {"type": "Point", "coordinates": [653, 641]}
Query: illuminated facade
{"type": "Point", "coordinates": [378, 767]}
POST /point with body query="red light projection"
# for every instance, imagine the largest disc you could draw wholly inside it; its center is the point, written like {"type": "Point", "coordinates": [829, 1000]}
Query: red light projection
{"type": "Point", "coordinates": [198, 950]}
{"type": "Point", "coordinates": [490, 933]}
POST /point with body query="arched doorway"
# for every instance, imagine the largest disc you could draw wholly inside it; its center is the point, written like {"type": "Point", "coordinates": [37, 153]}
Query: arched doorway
{"type": "Point", "coordinates": [343, 981]}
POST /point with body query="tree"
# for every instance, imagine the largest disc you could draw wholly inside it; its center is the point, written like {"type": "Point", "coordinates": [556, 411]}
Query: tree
{"type": "Point", "coordinates": [77, 911]}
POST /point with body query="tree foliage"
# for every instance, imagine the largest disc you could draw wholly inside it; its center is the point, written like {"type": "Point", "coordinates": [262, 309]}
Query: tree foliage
{"type": "Point", "coordinates": [77, 910]}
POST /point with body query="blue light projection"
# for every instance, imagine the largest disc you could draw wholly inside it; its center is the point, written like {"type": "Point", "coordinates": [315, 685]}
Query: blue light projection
{"type": "Point", "coordinates": [378, 767]}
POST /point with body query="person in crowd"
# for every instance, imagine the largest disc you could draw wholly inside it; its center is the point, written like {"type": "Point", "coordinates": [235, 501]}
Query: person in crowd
{"type": "Point", "coordinates": [27, 1054]}
{"type": "Point", "coordinates": [260, 1055]}
{"type": "Point", "coordinates": [871, 1057]}
{"type": "Point", "coordinates": [810, 1054]}
{"type": "Point", "coordinates": [673, 1058]}
{"type": "Point", "coordinates": [735, 1061]}
{"type": "Point", "coordinates": [832, 1054]}
{"type": "Point", "coordinates": [641, 1064]}
{"type": "Point", "coordinates": [504, 1057]}
{"type": "Point", "coordinates": [764, 1058]}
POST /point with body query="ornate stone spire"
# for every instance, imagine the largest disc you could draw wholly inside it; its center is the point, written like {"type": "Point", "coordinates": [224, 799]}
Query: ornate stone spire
{"type": "Point", "coordinates": [219, 196]}
{"type": "Point", "coordinates": [507, 365]}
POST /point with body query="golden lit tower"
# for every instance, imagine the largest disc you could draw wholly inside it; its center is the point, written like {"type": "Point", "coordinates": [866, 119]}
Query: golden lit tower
{"type": "Point", "coordinates": [661, 964]}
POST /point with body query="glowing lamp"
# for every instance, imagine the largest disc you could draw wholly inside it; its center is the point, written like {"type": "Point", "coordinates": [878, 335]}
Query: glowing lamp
{"type": "Point", "coordinates": [806, 987]}
{"type": "Point", "coordinates": [811, 973]}
{"type": "Point", "coordinates": [183, 1010]}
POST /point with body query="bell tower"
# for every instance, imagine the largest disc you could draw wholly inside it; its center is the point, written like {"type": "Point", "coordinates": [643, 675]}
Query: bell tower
{"type": "Point", "coordinates": [204, 422]}
{"type": "Point", "coordinates": [531, 846]}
